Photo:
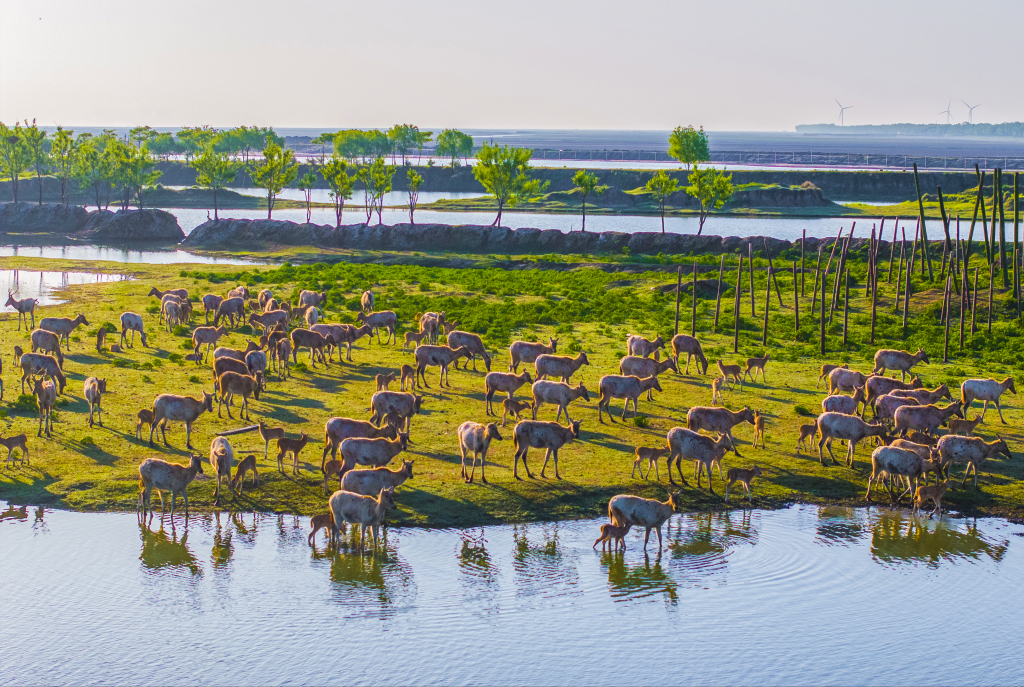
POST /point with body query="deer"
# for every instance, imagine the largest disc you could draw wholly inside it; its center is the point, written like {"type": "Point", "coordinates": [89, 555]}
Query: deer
{"type": "Point", "coordinates": [163, 476]}
{"type": "Point", "coordinates": [716, 390]}
{"type": "Point", "coordinates": [45, 341]}
{"type": "Point", "coordinates": [322, 521]}
{"type": "Point", "coordinates": [46, 396]}
{"type": "Point", "coordinates": [93, 390]}
{"type": "Point", "coordinates": [366, 302]}
{"type": "Point", "coordinates": [475, 345]}
{"type": "Point", "coordinates": [849, 428]}
{"type": "Point", "coordinates": [337, 429]}
{"type": "Point", "coordinates": [211, 302]}
{"type": "Point", "coordinates": [385, 319]}
{"type": "Point", "coordinates": [25, 307]}
{"type": "Point", "coordinates": [516, 408]}
{"type": "Point", "coordinates": [231, 383]}
{"type": "Point", "coordinates": [247, 464]}
{"type": "Point", "coordinates": [986, 390]}
{"type": "Point", "coordinates": [720, 420]}
{"type": "Point", "coordinates": [925, 418]}
{"type": "Point", "coordinates": [756, 364]}
{"type": "Point", "coordinates": [826, 370]}
{"type": "Point", "coordinates": [101, 339]}
{"type": "Point", "coordinates": [934, 494]}
{"type": "Point", "coordinates": [640, 512]}
{"type": "Point", "coordinates": [145, 417]}
{"type": "Point", "coordinates": [207, 336]}
{"type": "Point", "coordinates": [758, 428]}
{"type": "Point", "coordinates": [970, 450]}
{"type": "Point", "coordinates": [475, 439]}
{"type": "Point", "coordinates": [415, 338]}
{"type": "Point", "coordinates": [546, 435]}
{"type": "Point", "coordinates": [384, 380]}
{"type": "Point", "coordinates": [880, 386]}
{"type": "Point", "coordinates": [730, 371]}
{"type": "Point", "coordinates": [179, 293]}
{"type": "Point", "coordinates": [437, 356]}
{"type": "Point", "coordinates": [304, 338]}
{"type": "Point", "coordinates": [559, 394]}
{"type": "Point", "coordinates": [408, 375]}
{"type": "Point", "coordinates": [46, 365]}
{"type": "Point", "coordinates": [63, 326]}
{"type": "Point", "coordinates": [635, 366]}
{"type": "Point", "coordinates": [896, 462]}
{"type": "Point", "coordinates": [899, 361]}
{"type": "Point", "coordinates": [639, 346]}
{"type": "Point", "coordinates": [231, 309]}
{"type": "Point", "coordinates": [505, 382]}
{"type": "Point", "coordinates": [405, 405]}
{"type": "Point", "coordinates": [370, 482]}
{"type": "Point", "coordinates": [527, 352]}
{"type": "Point", "coordinates": [689, 445]}
{"type": "Point", "coordinates": [964, 427]}
{"type": "Point", "coordinates": [364, 511]}
{"type": "Point", "coordinates": [222, 457]}
{"type": "Point", "coordinates": [645, 454]}
{"type": "Point", "coordinates": [372, 452]}
{"type": "Point", "coordinates": [807, 433]}
{"type": "Point", "coordinates": [11, 443]}
{"type": "Point", "coordinates": [843, 404]}
{"type": "Point", "coordinates": [559, 366]}
{"type": "Point", "coordinates": [628, 388]}
{"type": "Point", "coordinates": [744, 476]}
{"type": "Point", "coordinates": [684, 343]}
{"type": "Point", "coordinates": [172, 408]}
{"type": "Point", "coordinates": [131, 322]}
{"type": "Point", "coordinates": [292, 446]}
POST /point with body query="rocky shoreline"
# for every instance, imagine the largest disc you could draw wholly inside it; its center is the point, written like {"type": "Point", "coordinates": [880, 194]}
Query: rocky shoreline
{"type": "Point", "coordinates": [77, 223]}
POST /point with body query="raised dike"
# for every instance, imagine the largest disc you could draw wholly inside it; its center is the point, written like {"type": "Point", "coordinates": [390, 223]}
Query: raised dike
{"type": "Point", "coordinates": [235, 234]}
{"type": "Point", "coordinates": [76, 222]}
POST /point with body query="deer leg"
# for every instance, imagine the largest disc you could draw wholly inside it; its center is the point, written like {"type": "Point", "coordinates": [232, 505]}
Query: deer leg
{"type": "Point", "coordinates": [1000, 411]}
{"type": "Point", "coordinates": [687, 371]}
{"type": "Point", "coordinates": [547, 457]}
{"type": "Point", "coordinates": [462, 450]}
{"type": "Point", "coordinates": [483, 462]}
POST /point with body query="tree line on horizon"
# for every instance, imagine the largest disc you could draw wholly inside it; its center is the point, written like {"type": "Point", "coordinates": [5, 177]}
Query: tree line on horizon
{"type": "Point", "coordinates": [121, 168]}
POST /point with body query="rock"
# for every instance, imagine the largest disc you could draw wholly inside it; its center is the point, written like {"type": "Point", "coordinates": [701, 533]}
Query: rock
{"type": "Point", "coordinates": [132, 225]}
{"type": "Point", "coordinates": [32, 218]}
{"type": "Point", "coordinates": [115, 348]}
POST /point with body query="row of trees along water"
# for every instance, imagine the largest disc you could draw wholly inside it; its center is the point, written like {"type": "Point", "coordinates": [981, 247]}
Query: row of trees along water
{"type": "Point", "coordinates": [108, 167]}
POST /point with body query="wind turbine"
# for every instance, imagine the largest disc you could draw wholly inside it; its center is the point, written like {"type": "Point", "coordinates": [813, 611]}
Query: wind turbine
{"type": "Point", "coordinates": [947, 112]}
{"type": "Point", "coordinates": [841, 110]}
{"type": "Point", "coordinates": [970, 114]}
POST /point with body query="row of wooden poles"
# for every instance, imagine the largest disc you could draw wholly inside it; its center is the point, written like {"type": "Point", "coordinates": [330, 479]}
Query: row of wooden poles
{"type": "Point", "coordinates": [955, 254]}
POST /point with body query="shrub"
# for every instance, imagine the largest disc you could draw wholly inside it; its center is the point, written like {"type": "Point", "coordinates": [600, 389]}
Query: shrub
{"type": "Point", "coordinates": [803, 412]}
{"type": "Point", "coordinates": [153, 309]}
{"type": "Point", "coordinates": [187, 345]}
{"type": "Point", "coordinates": [146, 379]}
{"type": "Point", "coordinates": [194, 379]}
{"type": "Point", "coordinates": [300, 367]}
{"type": "Point", "coordinates": [641, 421]}
{"type": "Point", "coordinates": [25, 404]}
{"type": "Point", "coordinates": [110, 327]}
{"type": "Point", "coordinates": [88, 441]}
{"type": "Point", "coordinates": [120, 363]}
{"type": "Point", "coordinates": [176, 358]}
{"type": "Point", "coordinates": [181, 330]}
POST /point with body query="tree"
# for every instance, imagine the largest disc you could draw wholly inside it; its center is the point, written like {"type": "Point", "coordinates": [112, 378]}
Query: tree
{"type": "Point", "coordinates": [404, 137]}
{"type": "Point", "coordinates": [586, 184]}
{"type": "Point", "coordinates": [351, 144]}
{"type": "Point", "coordinates": [214, 171]}
{"type": "Point", "coordinates": [94, 166]}
{"type": "Point", "coordinates": [377, 179]}
{"type": "Point", "coordinates": [689, 145]}
{"type": "Point", "coordinates": [422, 138]}
{"type": "Point", "coordinates": [142, 134]}
{"type": "Point", "coordinates": [504, 173]}
{"type": "Point", "coordinates": [14, 156]}
{"type": "Point", "coordinates": [276, 170]}
{"type": "Point", "coordinates": [38, 152]}
{"type": "Point", "coordinates": [164, 145]}
{"type": "Point", "coordinates": [322, 140]}
{"type": "Point", "coordinates": [454, 144]}
{"type": "Point", "coordinates": [415, 180]}
{"type": "Point", "coordinates": [307, 182]}
{"type": "Point", "coordinates": [661, 186]}
{"type": "Point", "coordinates": [712, 189]}
{"type": "Point", "coordinates": [195, 138]}
{"type": "Point", "coordinates": [135, 171]}
{"type": "Point", "coordinates": [335, 173]}
{"type": "Point", "coordinates": [378, 144]}
{"type": "Point", "coordinates": [62, 155]}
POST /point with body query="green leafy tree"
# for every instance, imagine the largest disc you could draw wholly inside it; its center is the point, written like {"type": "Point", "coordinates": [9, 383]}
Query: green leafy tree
{"type": "Point", "coordinates": [689, 145]}
{"type": "Point", "coordinates": [712, 189]}
{"type": "Point", "coordinates": [142, 134]}
{"type": "Point", "coordinates": [164, 145]}
{"type": "Point", "coordinates": [415, 181]}
{"type": "Point", "coordinates": [14, 155]}
{"type": "Point", "coordinates": [135, 172]}
{"type": "Point", "coordinates": [38, 149]}
{"type": "Point", "coordinates": [403, 139]}
{"type": "Point", "coordinates": [454, 144]}
{"type": "Point", "coordinates": [307, 182]}
{"type": "Point", "coordinates": [335, 173]}
{"type": "Point", "coordinates": [195, 138]}
{"type": "Point", "coordinates": [351, 144]}
{"type": "Point", "coordinates": [422, 139]}
{"type": "Point", "coordinates": [63, 150]}
{"type": "Point", "coordinates": [214, 171]}
{"type": "Point", "coordinates": [323, 140]}
{"type": "Point", "coordinates": [94, 167]}
{"type": "Point", "coordinates": [378, 144]}
{"type": "Point", "coordinates": [586, 184]}
{"type": "Point", "coordinates": [661, 186]}
{"type": "Point", "coordinates": [377, 180]}
{"type": "Point", "coordinates": [504, 173]}
{"type": "Point", "coordinates": [274, 172]}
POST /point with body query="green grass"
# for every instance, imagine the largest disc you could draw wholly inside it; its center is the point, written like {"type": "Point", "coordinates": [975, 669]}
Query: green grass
{"type": "Point", "coordinates": [96, 468]}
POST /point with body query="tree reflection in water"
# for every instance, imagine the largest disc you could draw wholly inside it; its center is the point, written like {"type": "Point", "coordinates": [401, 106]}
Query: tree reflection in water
{"type": "Point", "coordinates": [161, 551]}
{"type": "Point", "coordinates": [371, 585]}
{"type": "Point", "coordinates": [838, 525]}
{"type": "Point", "coordinates": [545, 569]}
{"type": "Point", "coordinates": [897, 537]}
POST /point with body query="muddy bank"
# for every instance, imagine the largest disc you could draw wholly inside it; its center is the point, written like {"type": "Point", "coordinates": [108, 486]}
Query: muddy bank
{"type": "Point", "coordinates": [243, 234]}
{"type": "Point", "coordinates": [102, 225]}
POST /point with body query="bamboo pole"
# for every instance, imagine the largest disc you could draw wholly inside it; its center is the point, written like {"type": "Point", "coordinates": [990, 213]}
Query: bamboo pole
{"type": "Point", "coordinates": [750, 251]}
{"type": "Point", "coordinates": [995, 177]}
{"type": "Point", "coordinates": [1017, 249]}
{"type": "Point", "coordinates": [817, 272]}
{"type": "Point", "coordinates": [892, 253]}
{"type": "Point", "coordinates": [821, 335]}
{"type": "Point", "coordinates": [736, 309]}
{"type": "Point", "coordinates": [796, 302]}
{"type": "Point", "coordinates": [240, 430]}
{"type": "Point", "coordinates": [963, 306]}
{"type": "Point", "coordinates": [846, 308]}
{"type": "Point", "coordinates": [874, 304]}
{"type": "Point", "coordinates": [771, 268]}
{"type": "Point", "coordinates": [871, 258]}
{"type": "Point", "coordinates": [899, 279]}
{"type": "Point", "coordinates": [679, 288]}
{"type": "Point", "coordinates": [942, 272]}
{"type": "Point", "coordinates": [906, 295]}
{"type": "Point", "coordinates": [803, 263]}
{"type": "Point", "coordinates": [978, 203]}
{"type": "Point", "coordinates": [925, 257]}
{"type": "Point", "coordinates": [718, 298]}
{"type": "Point", "coordinates": [913, 252]}
{"type": "Point", "coordinates": [693, 300]}
{"type": "Point", "coordinates": [842, 268]}
{"type": "Point", "coordinates": [945, 219]}
{"type": "Point", "coordinates": [991, 280]}
{"type": "Point", "coordinates": [767, 305]}
{"type": "Point", "coordinates": [828, 266]}
{"type": "Point", "coordinates": [974, 310]}
{"type": "Point", "coordinates": [990, 250]}
{"type": "Point", "coordinates": [945, 345]}
{"type": "Point", "coordinates": [1002, 229]}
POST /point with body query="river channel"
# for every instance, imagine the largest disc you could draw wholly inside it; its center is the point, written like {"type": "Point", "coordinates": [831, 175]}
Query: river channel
{"type": "Point", "coordinates": [803, 595]}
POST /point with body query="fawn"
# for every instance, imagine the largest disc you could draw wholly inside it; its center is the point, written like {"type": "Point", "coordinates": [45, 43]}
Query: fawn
{"type": "Point", "coordinates": [145, 418]}
{"type": "Point", "coordinates": [613, 534]}
{"type": "Point", "coordinates": [384, 380]}
{"type": "Point", "coordinates": [733, 371]}
{"type": "Point", "coordinates": [745, 476]}
{"type": "Point", "coordinates": [293, 446]}
{"type": "Point", "coordinates": [323, 521]}
{"type": "Point", "coordinates": [20, 441]}
{"type": "Point", "coordinates": [408, 373]}
{"type": "Point", "coordinates": [758, 428]}
{"type": "Point", "coordinates": [965, 427]}
{"type": "Point", "coordinates": [515, 407]}
{"type": "Point", "coordinates": [933, 493]}
{"type": "Point", "coordinates": [332, 468]}
{"type": "Point", "coordinates": [245, 465]}
{"type": "Point", "coordinates": [716, 390]}
{"type": "Point", "coordinates": [650, 456]}
{"type": "Point", "coordinates": [269, 434]}
{"type": "Point", "coordinates": [807, 433]}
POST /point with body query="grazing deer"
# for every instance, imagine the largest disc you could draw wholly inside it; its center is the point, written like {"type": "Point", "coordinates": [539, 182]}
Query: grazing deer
{"type": "Point", "coordinates": [744, 476]}
{"type": "Point", "coordinates": [245, 465]}
{"type": "Point", "coordinates": [614, 535]}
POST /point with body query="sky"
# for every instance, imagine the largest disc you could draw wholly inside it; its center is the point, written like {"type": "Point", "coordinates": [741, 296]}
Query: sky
{"type": "Point", "coordinates": [555, 64]}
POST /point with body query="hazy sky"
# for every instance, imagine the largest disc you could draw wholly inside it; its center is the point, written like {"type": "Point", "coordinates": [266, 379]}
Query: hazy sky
{"type": "Point", "coordinates": [728, 65]}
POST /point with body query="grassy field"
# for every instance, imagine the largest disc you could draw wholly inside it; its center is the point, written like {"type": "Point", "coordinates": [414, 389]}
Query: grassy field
{"type": "Point", "coordinates": [586, 309]}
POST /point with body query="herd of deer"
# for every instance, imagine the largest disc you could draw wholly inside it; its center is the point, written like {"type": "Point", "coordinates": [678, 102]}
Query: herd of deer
{"type": "Point", "coordinates": [363, 496]}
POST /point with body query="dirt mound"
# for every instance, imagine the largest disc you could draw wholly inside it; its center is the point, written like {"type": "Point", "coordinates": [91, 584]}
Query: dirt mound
{"type": "Point", "coordinates": [102, 225]}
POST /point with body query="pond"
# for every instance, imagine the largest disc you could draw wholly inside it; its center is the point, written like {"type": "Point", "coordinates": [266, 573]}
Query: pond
{"type": "Point", "coordinates": [41, 285]}
{"type": "Point", "coordinates": [789, 229]}
{"type": "Point", "coordinates": [167, 256]}
{"type": "Point", "coordinates": [803, 595]}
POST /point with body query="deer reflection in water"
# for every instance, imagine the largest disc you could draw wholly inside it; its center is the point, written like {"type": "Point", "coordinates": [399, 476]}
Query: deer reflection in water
{"type": "Point", "coordinates": [544, 568]}
{"type": "Point", "coordinates": [627, 581]}
{"type": "Point", "coordinates": [839, 525]}
{"type": "Point", "coordinates": [222, 550]}
{"type": "Point", "coordinates": [897, 537]}
{"type": "Point", "coordinates": [376, 585]}
{"type": "Point", "coordinates": [160, 551]}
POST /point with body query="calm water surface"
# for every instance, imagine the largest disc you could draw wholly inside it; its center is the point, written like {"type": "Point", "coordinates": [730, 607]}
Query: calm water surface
{"type": "Point", "coordinates": [114, 254]}
{"type": "Point", "coordinates": [41, 285]}
{"type": "Point", "coordinates": [804, 595]}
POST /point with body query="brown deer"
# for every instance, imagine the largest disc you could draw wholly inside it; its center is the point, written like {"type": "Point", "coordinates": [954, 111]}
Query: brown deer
{"type": "Point", "coordinates": [293, 446]}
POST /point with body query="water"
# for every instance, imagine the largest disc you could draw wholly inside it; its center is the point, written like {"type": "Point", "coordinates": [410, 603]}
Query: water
{"type": "Point", "coordinates": [112, 254]}
{"type": "Point", "coordinates": [41, 285]}
{"type": "Point", "coordinates": [788, 229]}
{"type": "Point", "coordinates": [804, 595]}
{"type": "Point", "coordinates": [322, 195]}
